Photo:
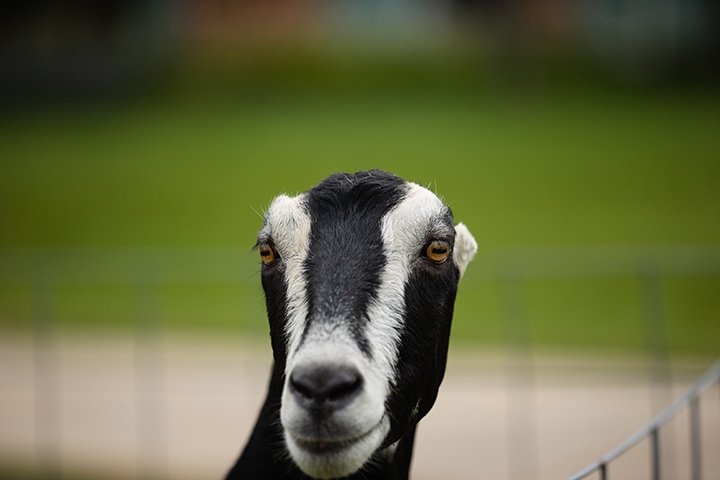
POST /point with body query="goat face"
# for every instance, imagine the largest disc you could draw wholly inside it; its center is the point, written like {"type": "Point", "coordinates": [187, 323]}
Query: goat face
{"type": "Point", "coordinates": [360, 275]}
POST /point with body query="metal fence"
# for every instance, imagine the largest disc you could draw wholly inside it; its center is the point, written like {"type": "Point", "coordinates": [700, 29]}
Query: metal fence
{"type": "Point", "coordinates": [510, 271]}
{"type": "Point", "coordinates": [651, 431]}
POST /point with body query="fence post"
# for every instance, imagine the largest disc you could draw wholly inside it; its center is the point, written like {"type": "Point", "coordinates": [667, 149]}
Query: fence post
{"type": "Point", "coordinates": [655, 335]}
{"type": "Point", "coordinates": [659, 370]}
{"type": "Point", "coordinates": [149, 383]}
{"type": "Point", "coordinates": [48, 427]}
{"type": "Point", "coordinates": [522, 432]}
{"type": "Point", "coordinates": [655, 453]}
{"type": "Point", "coordinates": [695, 445]}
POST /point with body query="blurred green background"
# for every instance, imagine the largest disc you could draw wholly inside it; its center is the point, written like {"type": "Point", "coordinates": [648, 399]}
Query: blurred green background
{"type": "Point", "coordinates": [143, 139]}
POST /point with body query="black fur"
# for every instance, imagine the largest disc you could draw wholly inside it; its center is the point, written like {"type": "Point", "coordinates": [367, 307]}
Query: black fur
{"type": "Point", "coordinates": [346, 248]}
{"type": "Point", "coordinates": [343, 268]}
{"type": "Point", "coordinates": [429, 300]}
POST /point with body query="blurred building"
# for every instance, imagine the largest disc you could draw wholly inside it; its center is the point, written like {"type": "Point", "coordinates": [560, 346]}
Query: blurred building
{"type": "Point", "coordinates": [85, 47]}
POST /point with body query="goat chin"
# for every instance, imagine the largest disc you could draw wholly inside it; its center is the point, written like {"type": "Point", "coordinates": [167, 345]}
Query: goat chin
{"type": "Point", "coordinates": [333, 459]}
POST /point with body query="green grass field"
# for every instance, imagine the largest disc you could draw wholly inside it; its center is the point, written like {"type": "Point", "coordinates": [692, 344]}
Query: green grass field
{"type": "Point", "coordinates": [542, 168]}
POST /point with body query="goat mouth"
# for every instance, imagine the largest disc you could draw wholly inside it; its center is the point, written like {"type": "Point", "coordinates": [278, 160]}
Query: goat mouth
{"type": "Point", "coordinates": [329, 446]}
{"type": "Point", "coordinates": [323, 447]}
{"type": "Point", "coordinates": [336, 458]}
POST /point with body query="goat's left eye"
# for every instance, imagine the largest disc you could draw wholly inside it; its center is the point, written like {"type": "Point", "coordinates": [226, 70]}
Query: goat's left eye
{"type": "Point", "coordinates": [267, 253]}
{"type": "Point", "coordinates": [438, 251]}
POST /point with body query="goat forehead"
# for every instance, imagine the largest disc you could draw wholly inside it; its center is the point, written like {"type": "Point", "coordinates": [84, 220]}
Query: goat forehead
{"type": "Point", "coordinates": [346, 258]}
{"type": "Point", "coordinates": [349, 217]}
{"type": "Point", "coordinates": [352, 236]}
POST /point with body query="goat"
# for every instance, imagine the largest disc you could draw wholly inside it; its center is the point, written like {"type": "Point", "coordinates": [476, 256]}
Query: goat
{"type": "Point", "coordinates": [360, 275]}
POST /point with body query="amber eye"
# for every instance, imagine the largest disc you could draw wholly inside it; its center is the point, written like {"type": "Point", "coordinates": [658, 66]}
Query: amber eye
{"type": "Point", "coordinates": [267, 253]}
{"type": "Point", "coordinates": [438, 251]}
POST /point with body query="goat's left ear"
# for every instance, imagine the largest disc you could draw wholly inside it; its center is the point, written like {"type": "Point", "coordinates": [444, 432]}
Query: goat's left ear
{"type": "Point", "coordinates": [465, 247]}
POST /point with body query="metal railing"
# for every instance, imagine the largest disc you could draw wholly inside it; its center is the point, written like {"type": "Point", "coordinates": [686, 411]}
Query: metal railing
{"type": "Point", "coordinates": [651, 431]}
{"type": "Point", "coordinates": [514, 268]}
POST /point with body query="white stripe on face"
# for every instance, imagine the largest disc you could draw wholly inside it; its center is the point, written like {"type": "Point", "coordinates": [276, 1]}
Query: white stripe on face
{"type": "Point", "coordinates": [288, 222]}
{"type": "Point", "coordinates": [404, 231]}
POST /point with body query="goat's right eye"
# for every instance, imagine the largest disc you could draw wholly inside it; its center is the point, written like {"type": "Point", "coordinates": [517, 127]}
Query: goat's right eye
{"type": "Point", "coordinates": [267, 253]}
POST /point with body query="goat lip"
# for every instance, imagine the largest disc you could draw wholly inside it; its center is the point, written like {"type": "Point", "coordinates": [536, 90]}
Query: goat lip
{"type": "Point", "coordinates": [323, 446]}
{"type": "Point", "coordinates": [328, 446]}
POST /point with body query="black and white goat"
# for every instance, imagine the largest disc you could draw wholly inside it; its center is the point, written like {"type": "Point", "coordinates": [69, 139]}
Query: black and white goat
{"type": "Point", "coordinates": [360, 275]}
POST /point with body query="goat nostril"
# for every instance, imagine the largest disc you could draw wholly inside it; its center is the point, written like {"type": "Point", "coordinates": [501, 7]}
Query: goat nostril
{"type": "Point", "coordinates": [344, 389]}
{"type": "Point", "coordinates": [334, 386]}
{"type": "Point", "coordinates": [301, 386]}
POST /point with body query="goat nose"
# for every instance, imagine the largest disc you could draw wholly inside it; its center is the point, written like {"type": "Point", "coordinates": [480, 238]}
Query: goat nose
{"type": "Point", "coordinates": [327, 387]}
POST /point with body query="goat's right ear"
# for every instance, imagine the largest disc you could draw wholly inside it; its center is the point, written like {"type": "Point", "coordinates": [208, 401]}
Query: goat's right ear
{"type": "Point", "coordinates": [465, 247]}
